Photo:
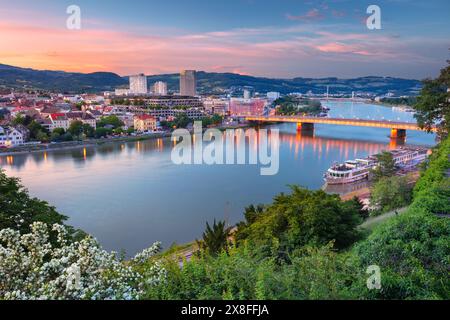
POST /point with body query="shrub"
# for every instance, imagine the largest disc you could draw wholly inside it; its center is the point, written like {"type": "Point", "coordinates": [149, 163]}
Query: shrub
{"type": "Point", "coordinates": [31, 267]}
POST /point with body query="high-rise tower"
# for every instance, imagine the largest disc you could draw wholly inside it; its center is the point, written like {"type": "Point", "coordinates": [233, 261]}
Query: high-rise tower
{"type": "Point", "coordinates": [138, 84]}
{"type": "Point", "coordinates": [188, 85]}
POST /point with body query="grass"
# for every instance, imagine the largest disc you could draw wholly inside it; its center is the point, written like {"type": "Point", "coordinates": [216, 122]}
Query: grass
{"type": "Point", "coordinates": [372, 222]}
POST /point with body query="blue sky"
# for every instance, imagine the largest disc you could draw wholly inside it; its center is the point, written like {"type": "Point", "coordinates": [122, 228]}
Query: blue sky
{"type": "Point", "coordinates": [283, 38]}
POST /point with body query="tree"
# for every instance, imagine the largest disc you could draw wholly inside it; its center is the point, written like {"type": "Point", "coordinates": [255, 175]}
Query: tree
{"type": "Point", "coordinates": [112, 120]}
{"type": "Point", "coordinates": [18, 210]}
{"type": "Point", "coordinates": [412, 253]}
{"type": "Point", "coordinates": [301, 218]}
{"type": "Point", "coordinates": [212, 120]}
{"type": "Point", "coordinates": [251, 214]}
{"type": "Point", "coordinates": [3, 113]}
{"type": "Point", "coordinates": [182, 121]}
{"type": "Point", "coordinates": [102, 132]}
{"type": "Point", "coordinates": [37, 131]}
{"type": "Point", "coordinates": [433, 104]}
{"type": "Point", "coordinates": [88, 130]}
{"type": "Point", "coordinates": [215, 239]}
{"type": "Point", "coordinates": [42, 136]}
{"type": "Point", "coordinates": [60, 131]}
{"type": "Point", "coordinates": [55, 137]}
{"type": "Point", "coordinates": [216, 119]}
{"type": "Point", "coordinates": [391, 193]}
{"type": "Point", "coordinates": [67, 137]}
{"type": "Point", "coordinates": [76, 128]}
{"type": "Point", "coordinates": [118, 131]}
{"type": "Point", "coordinates": [59, 134]}
{"type": "Point", "coordinates": [291, 105]}
{"type": "Point", "coordinates": [19, 119]}
{"type": "Point", "coordinates": [358, 206]}
{"type": "Point", "coordinates": [385, 167]}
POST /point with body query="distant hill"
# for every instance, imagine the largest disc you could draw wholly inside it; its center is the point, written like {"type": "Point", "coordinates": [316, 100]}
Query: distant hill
{"type": "Point", "coordinates": [14, 77]}
{"type": "Point", "coordinates": [218, 82]}
{"type": "Point", "coordinates": [207, 82]}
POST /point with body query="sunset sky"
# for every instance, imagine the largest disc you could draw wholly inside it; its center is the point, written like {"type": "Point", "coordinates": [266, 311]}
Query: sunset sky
{"type": "Point", "coordinates": [279, 38]}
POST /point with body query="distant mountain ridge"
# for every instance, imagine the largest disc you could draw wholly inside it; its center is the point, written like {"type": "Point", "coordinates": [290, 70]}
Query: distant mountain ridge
{"type": "Point", "coordinates": [15, 77]}
{"type": "Point", "coordinates": [218, 82]}
{"type": "Point", "coordinates": [207, 82]}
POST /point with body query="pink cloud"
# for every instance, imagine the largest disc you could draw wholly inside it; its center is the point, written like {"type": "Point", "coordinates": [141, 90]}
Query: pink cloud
{"type": "Point", "coordinates": [338, 48]}
{"type": "Point", "coordinates": [338, 13]}
{"type": "Point", "coordinates": [311, 15]}
{"type": "Point", "coordinates": [236, 50]}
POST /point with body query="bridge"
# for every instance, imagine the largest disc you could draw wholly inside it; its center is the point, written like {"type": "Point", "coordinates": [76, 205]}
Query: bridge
{"type": "Point", "coordinates": [398, 129]}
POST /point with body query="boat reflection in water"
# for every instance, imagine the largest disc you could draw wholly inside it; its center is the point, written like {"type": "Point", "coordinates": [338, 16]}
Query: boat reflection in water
{"type": "Point", "coordinates": [345, 189]}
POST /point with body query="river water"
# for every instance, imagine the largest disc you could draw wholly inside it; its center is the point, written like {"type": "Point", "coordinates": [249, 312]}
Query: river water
{"type": "Point", "coordinates": [129, 195]}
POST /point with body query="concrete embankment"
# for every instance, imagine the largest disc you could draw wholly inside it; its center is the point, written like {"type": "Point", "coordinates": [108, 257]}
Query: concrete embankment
{"type": "Point", "coordinates": [77, 144]}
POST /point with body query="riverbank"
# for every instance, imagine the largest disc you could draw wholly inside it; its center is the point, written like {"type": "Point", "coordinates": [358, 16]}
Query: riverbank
{"type": "Point", "coordinates": [78, 144]}
{"type": "Point", "coordinates": [49, 147]}
{"type": "Point", "coordinates": [392, 105]}
{"type": "Point", "coordinates": [364, 193]}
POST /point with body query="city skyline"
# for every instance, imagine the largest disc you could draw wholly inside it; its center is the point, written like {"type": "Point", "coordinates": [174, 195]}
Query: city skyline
{"type": "Point", "coordinates": [259, 38]}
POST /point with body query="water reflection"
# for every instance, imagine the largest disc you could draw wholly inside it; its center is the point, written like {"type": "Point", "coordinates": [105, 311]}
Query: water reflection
{"type": "Point", "coordinates": [347, 188]}
{"type": "Point", "coordinates": [129, 195]}
{"type": "Point", "coordinates": [297, 142]}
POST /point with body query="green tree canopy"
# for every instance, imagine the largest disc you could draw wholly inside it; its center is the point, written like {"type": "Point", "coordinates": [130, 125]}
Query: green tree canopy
{"type": "Point", "coordinates": [37, 131]}
{"type": "Point", "coordinates": [21, 119]}
{"type": "Point", "coordinates": [385, 167]}
{"type": "Point", "coordinates": [76, 128]}
{"type": "Point", "coordinates": [433, 104]}
{"type": "Point", "coordinates": [112, 120]}
{"type": "Point", "coordinates": [301, 218]}
{"type": "Point", "coordinates": [88, 130]}
{"type": "Point", "coordinates": [215, 238]}
{"type": "Point", "coordinates": [102, 132]}
{"type": "Point", "coordinates": [18, 210]}
{"type": "Point", "coordinates": [391, 193]}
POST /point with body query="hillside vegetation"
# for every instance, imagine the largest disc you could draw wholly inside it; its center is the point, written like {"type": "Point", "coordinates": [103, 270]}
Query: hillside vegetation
{"type": "Point", "coordinates": [289, 250]}
{"type": "Point", "coordinates": [207, 82]}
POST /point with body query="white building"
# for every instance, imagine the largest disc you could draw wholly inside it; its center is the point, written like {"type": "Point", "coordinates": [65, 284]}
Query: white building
{"type": "Point", "coordinates": [160, 88]}
{"type": "Point", "coordinates": [127, 118]}
{"type": "Point", "coordinates": [72, 99]}
{"type": "Point", "coordinates": [216, 106]}
{"type": "Point", "coordinates": [247, 94]}
{"type": "Point", "coordinates": [122, 92]}
{"type": "Point", "coordinates": [273, 95]}
{"type": "Point", "coordinates": [138, 84]}
{"type": "Point", "coordinates": [59, 120]}
{"type": "Point", "coordinates": [84, 117]}
{"type": "Point", "coordinates": [10, 137]}
{"type": "Point", "coordinates": [93, 99]}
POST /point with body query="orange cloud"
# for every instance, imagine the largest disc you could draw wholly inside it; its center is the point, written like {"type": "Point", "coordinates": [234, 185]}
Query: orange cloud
{"type": "Point", "coordinates": [311, 15]}
{"type": "Point", "coordinates": [341, 48]}
{"type": "Point", "coordinates": [262, 51]}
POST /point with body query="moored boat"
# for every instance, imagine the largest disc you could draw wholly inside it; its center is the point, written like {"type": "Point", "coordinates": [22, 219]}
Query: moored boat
{"type": "Point", "coordinates": [359, 169]}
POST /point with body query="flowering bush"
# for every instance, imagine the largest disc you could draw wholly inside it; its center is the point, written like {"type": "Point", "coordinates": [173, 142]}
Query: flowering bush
{"type": "Point", "coordinates": [33, 267]}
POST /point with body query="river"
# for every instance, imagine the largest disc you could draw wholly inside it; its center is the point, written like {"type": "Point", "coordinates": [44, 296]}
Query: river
{"type": "Point", "coordinates": [129, 195]}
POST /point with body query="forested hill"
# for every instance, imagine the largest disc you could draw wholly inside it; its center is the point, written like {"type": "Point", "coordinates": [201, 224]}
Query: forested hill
{"type": "Point", "coordinates": [15, 77]}
{"type": "Point", "coordinates": [60, 81]}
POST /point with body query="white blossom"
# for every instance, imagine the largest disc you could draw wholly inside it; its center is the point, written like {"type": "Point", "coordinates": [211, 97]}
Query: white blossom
{"type": "Point", "coordinates": [31, 267]}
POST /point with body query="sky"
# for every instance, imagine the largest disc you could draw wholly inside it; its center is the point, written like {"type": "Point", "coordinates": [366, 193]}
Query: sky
{"type": "Point", "coordinates": [276, 38]}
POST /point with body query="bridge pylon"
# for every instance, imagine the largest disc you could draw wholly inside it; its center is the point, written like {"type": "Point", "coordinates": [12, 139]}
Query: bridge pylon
{"type": "Point", "coordinates": [305, 126]}
{"type": "Point", "coordinates": [398, 133]}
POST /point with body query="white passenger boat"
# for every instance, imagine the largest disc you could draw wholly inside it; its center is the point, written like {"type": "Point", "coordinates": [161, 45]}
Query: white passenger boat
{"type": "Point", "coordinates": [359, 169]}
